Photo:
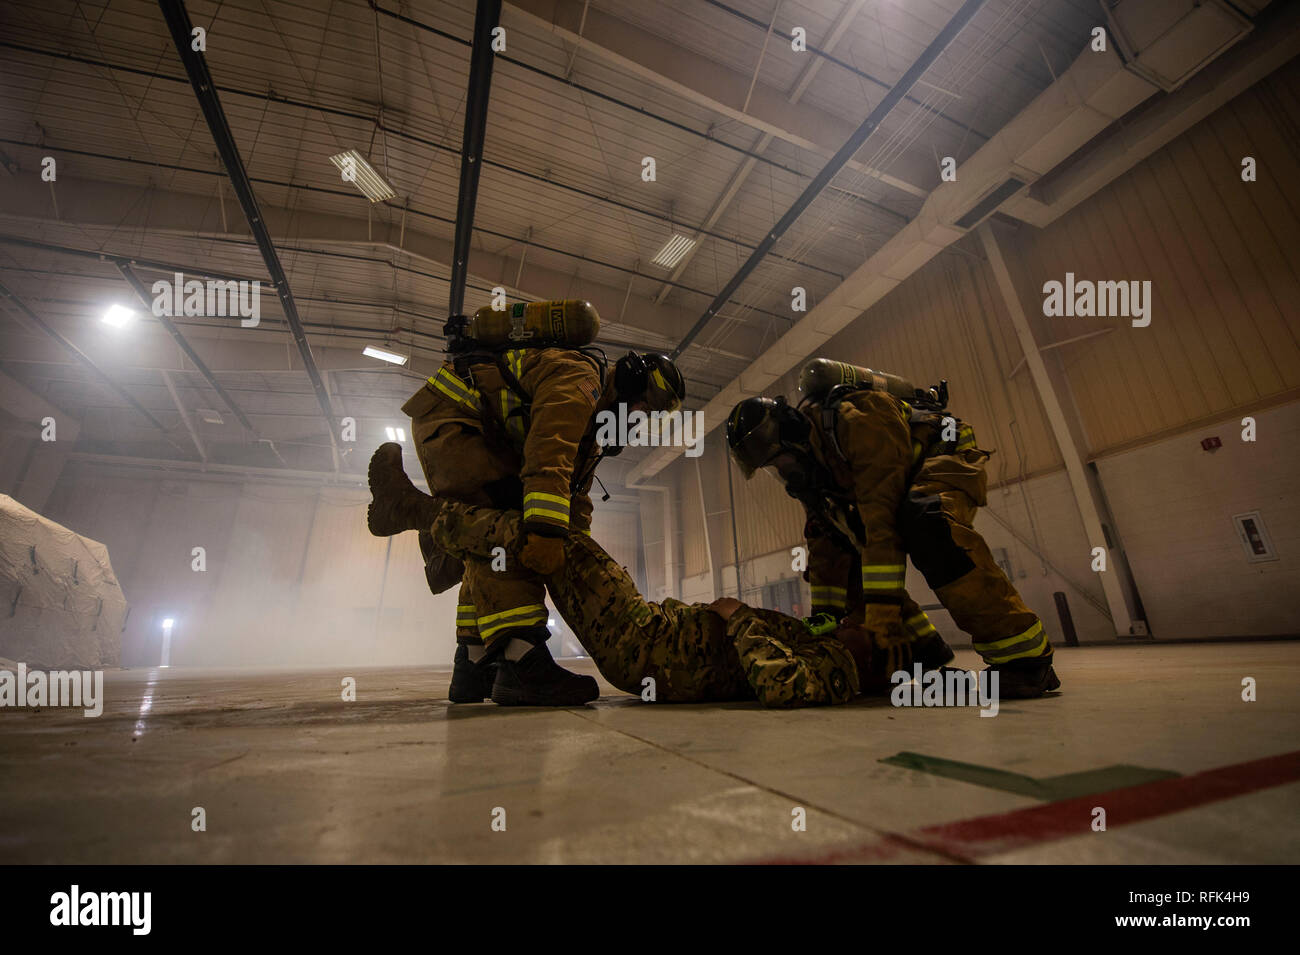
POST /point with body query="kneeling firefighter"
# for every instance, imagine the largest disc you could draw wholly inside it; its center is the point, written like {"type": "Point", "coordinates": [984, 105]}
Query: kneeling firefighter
{"type": "Point", "coordinates": [884, 472]}
{"type": "Point", "coordinates": [509, 421]}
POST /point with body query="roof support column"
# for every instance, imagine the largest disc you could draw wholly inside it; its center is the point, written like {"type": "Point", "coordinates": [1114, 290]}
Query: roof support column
{"type": "Point", "coordinates": [1086, 497]}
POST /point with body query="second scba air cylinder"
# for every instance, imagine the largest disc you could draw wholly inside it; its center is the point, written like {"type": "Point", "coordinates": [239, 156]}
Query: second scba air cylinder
{"type": "Point", "coordinates": [573, 322]}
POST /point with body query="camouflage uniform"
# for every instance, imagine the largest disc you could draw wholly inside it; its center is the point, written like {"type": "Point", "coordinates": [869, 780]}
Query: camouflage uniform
{"type": "Point", "coordinates": [693, 655]}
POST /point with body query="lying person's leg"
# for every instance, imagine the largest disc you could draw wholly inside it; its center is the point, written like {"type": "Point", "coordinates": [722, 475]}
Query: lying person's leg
{"type": "Point", "coordinates": [690, 651]}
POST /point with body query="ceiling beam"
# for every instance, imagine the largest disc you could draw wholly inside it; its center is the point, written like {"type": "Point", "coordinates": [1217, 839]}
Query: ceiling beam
{"type": "Point", "coordinates": [119, 206]}
{"type": "Point", "coordinates": [477, 92]}
{"type": "Point", "coordinates": [138, 287]}
{"type": "Point", "coordinates": [82, 357]}
{"type": "Point", "coordinates": [185, 415]}
{"type": "Point", "coordinates": [700, 80]}
{"type": "Point", "coordinates": [178, 22]}
{"type": "Point", "coordinates": [851, 146]}
{"type": "Point", "coordinates": [806, 76]}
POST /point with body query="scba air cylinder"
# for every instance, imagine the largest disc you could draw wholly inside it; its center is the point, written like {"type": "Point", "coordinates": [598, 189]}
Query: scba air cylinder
{"type": "Point", "coordinates": [820, 375]}
{"type": "Point", "coordinates": [571, 322]}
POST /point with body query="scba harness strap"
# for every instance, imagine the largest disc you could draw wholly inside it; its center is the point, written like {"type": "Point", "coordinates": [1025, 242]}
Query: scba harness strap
{"type": "Point", "coordinates": [924, 417]}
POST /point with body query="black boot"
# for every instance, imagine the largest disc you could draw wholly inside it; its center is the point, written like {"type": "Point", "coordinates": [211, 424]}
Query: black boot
{"type": "Point", "coordinates": [1026, 678]}
{"type": "Point", "coordinates": [470, 682]}
{"type": "Point", "coordinates": [396, 504]}
{"type": "Point", "coordinates": [535, 679]}
{"type": "Point", "coordinates": [932, 652]}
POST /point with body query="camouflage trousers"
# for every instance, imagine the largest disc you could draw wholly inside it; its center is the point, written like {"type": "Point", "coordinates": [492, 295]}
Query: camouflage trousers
{"type": "Point", "coordinates": [689, 652]}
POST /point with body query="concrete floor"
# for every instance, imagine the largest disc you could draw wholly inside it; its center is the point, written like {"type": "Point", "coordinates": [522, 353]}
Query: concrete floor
{"type": "Point", "coordinates": [288, 772]}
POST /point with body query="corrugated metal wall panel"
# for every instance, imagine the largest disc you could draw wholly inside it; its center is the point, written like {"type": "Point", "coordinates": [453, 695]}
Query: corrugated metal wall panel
{"type": "Point", "coordinates": [1223, 257]}
{"type": "Point", "coordinates": [695, 556]}
{"type": "Point", "coordinates": [946, 321]}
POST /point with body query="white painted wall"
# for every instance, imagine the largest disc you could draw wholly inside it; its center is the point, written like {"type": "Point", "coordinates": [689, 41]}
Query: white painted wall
{"type": "Point", "coordinates": [1174, 502]}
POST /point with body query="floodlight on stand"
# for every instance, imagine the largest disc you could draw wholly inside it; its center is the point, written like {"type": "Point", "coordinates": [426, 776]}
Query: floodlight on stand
{"type": "Point", "coordinates": [673, 251]}
{"type": "Point", "coordinates": [370, 351]}
{"type": "Point", "coordinates": [363, 176]}
{"type": "Point", "coordinates": [118, 316]}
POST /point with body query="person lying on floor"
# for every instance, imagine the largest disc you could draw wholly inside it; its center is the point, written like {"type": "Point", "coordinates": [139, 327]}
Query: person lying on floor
{"type": "Point", "coordinates": [693, 653]}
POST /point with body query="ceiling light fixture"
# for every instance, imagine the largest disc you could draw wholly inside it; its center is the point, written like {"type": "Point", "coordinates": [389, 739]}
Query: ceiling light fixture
{"type": "Point", "coordinates": [372, 352]}
{"type": "Point", "coordinates": [361, 174]}
{"type": "Point", "coordinates": [118, 316]}
{"type": "Point", "coordinates": [673, 251]}
{"type": "Point", "coordinates": [395, 434]}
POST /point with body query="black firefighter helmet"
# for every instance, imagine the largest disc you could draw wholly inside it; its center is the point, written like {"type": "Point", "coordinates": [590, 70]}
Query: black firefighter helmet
{"type": "Point", "coordinates": [761, 429]}
{"type": "Point", "coordinates": [652, 378]}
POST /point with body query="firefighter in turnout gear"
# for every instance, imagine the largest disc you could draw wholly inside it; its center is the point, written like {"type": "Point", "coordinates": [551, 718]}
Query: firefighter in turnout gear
{"type": "Point", "coordinates": [514, 427]}
{"type": "Point", "coordinates": [666, 651]}
{"type": "Point", "coordinates": [883, 477]}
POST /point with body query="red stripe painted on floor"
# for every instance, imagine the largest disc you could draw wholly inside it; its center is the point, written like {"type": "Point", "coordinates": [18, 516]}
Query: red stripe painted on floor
{"type": "Point", "coordinates": [970, 840]}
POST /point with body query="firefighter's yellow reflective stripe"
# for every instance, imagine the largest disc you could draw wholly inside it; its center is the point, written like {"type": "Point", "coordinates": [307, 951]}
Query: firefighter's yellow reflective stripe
{"type": "Point", "coordinates": [548, 507]}
{"type": "Point", "coordinates": [917, 451]}
{"type": "Point", "coordinates": [1029, 643]}
{"type": "Point", "coordinates": [657, 377]}
{"type": "Point", "coordinates": [585, 530]}
{"type": "Point", "coordinates": [965, 438]}
{"type": "Point", "coordinates": [919, 625]}
{"type": "Point", "coordinates": [526, 616]}
{"type": "Point", "coordinates": [825, 595]}
{"type": "Point", "coordinates": [449, 383]}
{"type": "Point", "coordinates": [511, 403]}
{"type": "Point", "coordinates": [883, 577]}
{"type": "Point", "coordinates": [466, 615]}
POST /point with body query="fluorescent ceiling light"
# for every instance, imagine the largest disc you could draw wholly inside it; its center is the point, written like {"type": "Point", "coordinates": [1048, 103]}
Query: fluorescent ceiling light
{"type": "Point", "coordinates": [373, 352]}
{"type": "Point", "coordinates": [396, 434]}
{"type": "Point", "coordinates": [117, 316]}
{"type": "Point", "coordinates": [673, 251]}
{"type": "Point", "coordinates": [168, 623]}
{"type": "Point", "coordinates": [373, 185]}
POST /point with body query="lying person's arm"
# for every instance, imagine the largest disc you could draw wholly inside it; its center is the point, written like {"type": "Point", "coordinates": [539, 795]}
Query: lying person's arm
{"type": "Point", "coordinates": [785, 663]}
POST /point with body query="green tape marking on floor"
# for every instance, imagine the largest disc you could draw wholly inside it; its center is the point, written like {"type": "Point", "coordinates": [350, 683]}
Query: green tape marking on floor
{"type": "Point", "coordinates": [1048, 789]}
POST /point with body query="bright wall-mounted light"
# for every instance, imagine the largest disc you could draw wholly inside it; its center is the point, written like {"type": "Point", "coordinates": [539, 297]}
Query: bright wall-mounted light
{"type": "Point", "coordinates": [118, 316]}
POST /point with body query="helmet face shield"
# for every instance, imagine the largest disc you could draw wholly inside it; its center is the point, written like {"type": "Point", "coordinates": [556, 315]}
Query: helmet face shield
{"type": "Point", "coordinates": [755, 448]}
{"type": "Point", "coordinates": [660, 395]}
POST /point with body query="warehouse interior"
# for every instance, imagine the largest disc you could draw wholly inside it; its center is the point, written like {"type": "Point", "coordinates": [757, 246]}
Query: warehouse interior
{"type": "Point", "coordinates": [743, 184]}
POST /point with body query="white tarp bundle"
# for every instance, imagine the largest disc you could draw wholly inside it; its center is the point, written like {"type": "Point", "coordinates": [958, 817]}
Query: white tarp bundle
{"type": "Point", "coordinates": [60, 603]}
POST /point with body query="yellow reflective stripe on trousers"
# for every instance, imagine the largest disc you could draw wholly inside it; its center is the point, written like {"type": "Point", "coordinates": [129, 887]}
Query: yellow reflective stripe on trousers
{"type": "Point", "coordinates": [1029, 643]}
{"type": "Point", "coordinates": [546, 507]}
{"type": "Point", "coordinates": [919, 625]}
{"type": "Point", "coordinates": [827, 595]}
{"type": "Point", "coordinates": [449, 383]}
{"type": "Point", "coordinates": [528, 615]}
{"type": "Point", "coordinates": [883, 577]}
